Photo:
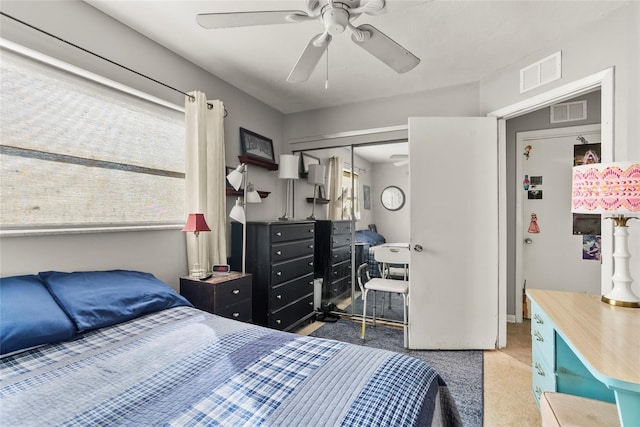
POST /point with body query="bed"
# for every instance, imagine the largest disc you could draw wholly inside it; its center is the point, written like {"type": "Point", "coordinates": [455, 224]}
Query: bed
{"type": "Point", "coordinates": [122, 348]}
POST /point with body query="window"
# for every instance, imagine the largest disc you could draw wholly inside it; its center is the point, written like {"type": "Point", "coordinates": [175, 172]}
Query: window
{"type": "Point", "coordinates": [76, 153]}
{"type": "Point", "coordinates": [347, 183]}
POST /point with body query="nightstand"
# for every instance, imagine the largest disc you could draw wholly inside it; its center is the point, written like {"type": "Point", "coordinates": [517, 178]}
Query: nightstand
{"type": "Point", "coordinates": [224, 294]}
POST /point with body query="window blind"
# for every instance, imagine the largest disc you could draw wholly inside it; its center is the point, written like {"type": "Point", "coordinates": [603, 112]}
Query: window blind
{"type": "Point", "coordinates": [74, 152]}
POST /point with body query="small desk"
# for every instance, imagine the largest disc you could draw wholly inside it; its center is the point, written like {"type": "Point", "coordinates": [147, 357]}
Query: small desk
{"type": "Point", "coordinates": [594, 349]}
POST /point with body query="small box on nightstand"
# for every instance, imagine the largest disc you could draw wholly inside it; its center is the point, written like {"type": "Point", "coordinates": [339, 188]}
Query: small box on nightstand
{"type": "Point", "coordinates": [224, 294]}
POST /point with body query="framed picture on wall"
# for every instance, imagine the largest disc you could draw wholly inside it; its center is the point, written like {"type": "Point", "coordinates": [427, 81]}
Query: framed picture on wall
{"type": "Point", "coordinates": [307, 161]}
{"type": "Point", "coordinates": [256, 146]}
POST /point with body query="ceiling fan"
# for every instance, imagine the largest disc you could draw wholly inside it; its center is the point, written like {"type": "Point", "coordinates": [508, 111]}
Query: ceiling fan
{"type": "Point", "coordinates": [336, 16]}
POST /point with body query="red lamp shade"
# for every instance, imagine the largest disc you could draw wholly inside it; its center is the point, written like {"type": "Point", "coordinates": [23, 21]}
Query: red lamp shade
{"type": "Point", "coordinates": [196, 223]}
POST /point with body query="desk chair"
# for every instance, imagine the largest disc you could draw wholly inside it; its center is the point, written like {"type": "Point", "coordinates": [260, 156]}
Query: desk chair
{"type": "Point", "coordinates": [384, 255]}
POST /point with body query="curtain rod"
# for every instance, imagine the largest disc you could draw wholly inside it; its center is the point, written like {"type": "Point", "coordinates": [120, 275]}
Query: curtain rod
{"type": "Point", "coordinates": [191, 97]}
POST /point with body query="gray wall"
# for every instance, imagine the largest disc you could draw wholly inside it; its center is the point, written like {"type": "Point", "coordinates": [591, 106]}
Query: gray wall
{"type": "Point", "coordinates": [159, 252]}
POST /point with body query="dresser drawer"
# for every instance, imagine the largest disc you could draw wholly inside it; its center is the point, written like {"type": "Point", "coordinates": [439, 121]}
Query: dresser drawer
{"type": "Point", "coordinates": [340, 254]}
{"type": "Point", "coordinates": [286, 293]}
{"type": "Point", "coordinates": [340, 270]}
{"type": "Point", "coordinates": [341, 240]}
{"type": "Point", "coordinates": [240, 311]}
{"type": "Point", "coordinates": [543, 376]}
{"type": "Point", "coordinates": [283, 251]}
{"type": "Point", "coordinates": [289, 315]}
{"type": "Point", "coordinates": [336, 288]}
{"type": "Point", "coordinates": [286, 232]}
{"type": "Point", "coordinates": [291, 269]}
{"type": "Point", "coordinates": [339, 227]}
{"type": "Point", "coordinates": [232, 292]}
{"type": "Point", "coordinates": [542, 332]}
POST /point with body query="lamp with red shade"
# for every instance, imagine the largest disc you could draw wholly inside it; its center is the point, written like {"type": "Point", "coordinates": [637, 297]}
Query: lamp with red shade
{"type": "Point", "coordinates": [196, 223]}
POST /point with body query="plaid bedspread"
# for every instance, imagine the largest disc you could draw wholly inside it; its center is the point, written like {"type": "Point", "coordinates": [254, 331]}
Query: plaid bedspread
{"type": "Point", "coordinates": [184, 367]}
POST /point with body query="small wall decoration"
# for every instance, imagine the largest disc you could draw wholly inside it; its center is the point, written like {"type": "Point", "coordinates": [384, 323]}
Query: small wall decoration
{"type": "Point", "coordinates": [586, 224]}
{"type": "Point", "coordinates": [586, 154]}
{"type": "Point", "coordinates": [256, 146]}
{"type": "Point", "coordinates": [591, 247]}
{"type": "Point", "coordinates": [322, 192]}
{"type": "Point", "coordinates": [526, 182]}
{"type": "Point", "coordinates": [527, 150]}
{"type": "Point", "coordinates": [536, 180]}
{"type": "Point", "coordinates": [533, 225]}
{"type": "Point", "coordinates": [366, 196]}
{"type": "Point", "coordinates": [534, 194]}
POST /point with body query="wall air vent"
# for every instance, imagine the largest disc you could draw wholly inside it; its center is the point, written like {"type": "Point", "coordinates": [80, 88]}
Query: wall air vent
{"type": "Point", "coordinates": [569, 112]}
{"type": "Point", "coordinates": [541, 72]}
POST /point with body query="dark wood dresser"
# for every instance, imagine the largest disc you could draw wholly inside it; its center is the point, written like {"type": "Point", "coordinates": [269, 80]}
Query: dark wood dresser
{"type": "Point", "coordinates": [280, 255]}
{"type": "Point", "coordinates": [333, 258]}
{"type": "Point", "coordinates": [224, 294]}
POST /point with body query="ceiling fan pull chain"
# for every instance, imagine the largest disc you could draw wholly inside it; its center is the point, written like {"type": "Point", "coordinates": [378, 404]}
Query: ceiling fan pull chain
{"type": "Point", "coordinates": [326, 81]}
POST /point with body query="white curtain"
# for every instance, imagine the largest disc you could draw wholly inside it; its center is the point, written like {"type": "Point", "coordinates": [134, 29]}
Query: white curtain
{"type": "Point", "coordinates": [335, 188]}
{"type": "Point", "coordinates": [205, 177]}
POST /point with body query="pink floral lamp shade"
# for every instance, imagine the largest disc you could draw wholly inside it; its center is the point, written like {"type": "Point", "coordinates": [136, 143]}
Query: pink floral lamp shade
{"type": "Point", "coordinates": [606, 188]}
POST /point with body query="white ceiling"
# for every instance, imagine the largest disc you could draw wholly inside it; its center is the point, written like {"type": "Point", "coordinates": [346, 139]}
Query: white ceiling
{"type": "Point", "coordinates": [457, 41]}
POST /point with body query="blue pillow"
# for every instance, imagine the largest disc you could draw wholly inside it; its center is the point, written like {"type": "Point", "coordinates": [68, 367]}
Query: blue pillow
{"type": "Point", "coordinates": [95, 299]}
{"type": "Point", "coordinates": [29, 316]}
{"type": "Point", "coordinates": [370, 237]}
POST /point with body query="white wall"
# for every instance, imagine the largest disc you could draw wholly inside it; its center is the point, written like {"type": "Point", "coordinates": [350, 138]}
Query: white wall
{"type": "Point", "coordinates": [160, 252]}
{"type": "Point", "coordinates": [393, 225]}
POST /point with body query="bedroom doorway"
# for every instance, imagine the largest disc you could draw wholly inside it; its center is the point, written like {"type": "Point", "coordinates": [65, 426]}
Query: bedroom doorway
{"type": "Point", "coordinates": [551, 236]}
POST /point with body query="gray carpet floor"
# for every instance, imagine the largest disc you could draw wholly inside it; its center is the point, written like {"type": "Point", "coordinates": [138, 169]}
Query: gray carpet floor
{"type": "Point", "coordinates": [462, 370]}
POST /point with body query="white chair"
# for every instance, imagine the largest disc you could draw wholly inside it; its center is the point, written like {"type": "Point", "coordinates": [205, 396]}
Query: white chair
{"type": "Point", "coordinates": [385, 255]}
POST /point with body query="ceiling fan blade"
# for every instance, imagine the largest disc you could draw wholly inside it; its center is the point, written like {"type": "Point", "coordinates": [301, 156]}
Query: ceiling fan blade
{"type": "Point", "coordinates": [248, 19]}
{"type": "Point", "coordinates": [385, 49]}
{"type": "Point", "coordinates": [309, 59]}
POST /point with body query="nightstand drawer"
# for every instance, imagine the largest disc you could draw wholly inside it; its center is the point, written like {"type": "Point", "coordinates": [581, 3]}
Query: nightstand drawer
{"type": "Point", "coordinates": [240, 311]}
{"type": "Point", "coordinates": [233, 292]}
{"type": "Point", "coordinates": [543, 376]}
{"type": "Point", "coordinates": [286, 232]}
{"type": "Point", "coordinates": [288, 292]}
{"type": "Point", "coordinates": [283, 251]}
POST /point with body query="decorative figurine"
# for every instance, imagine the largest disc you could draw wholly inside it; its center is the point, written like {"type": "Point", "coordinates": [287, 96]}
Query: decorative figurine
{"type": "Point", "coordinates": [533, 226]}
{"type": "Point", "coordinates": [526, 182]}
{"type": "Point", "coordinates": [527, 149]}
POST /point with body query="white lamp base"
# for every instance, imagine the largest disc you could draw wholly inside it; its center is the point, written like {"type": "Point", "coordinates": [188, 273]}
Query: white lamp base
{"type": "Point", "coordinates": [621, 294]}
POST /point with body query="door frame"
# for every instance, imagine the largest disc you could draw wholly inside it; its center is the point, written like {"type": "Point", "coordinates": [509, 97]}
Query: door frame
{"type": "Point", "coordinates": [603, 80]}
{"type": "Point", "coordinates": [520, 220]}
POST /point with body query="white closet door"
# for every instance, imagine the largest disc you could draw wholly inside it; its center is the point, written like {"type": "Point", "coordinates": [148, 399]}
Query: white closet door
{"type": "Point", "coordinates": [453, 295]}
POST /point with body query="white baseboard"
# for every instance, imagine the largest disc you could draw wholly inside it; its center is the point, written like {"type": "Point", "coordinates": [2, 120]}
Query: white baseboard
{"type": "Point", "coordinates": [511, 318]}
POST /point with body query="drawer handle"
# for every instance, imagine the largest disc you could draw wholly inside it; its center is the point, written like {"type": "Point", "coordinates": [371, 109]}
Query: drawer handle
{"type": "Point", "coordinates": [538, 391]}
{"type": "Point", "coordinates": [310, 262]}
{"type": "Point", "coordinates": [278, 234]}
{"type": "Point", "coordinates": [311, 303]}
{"type": "Point", "coordinates": [311, 282]}
{"type": "Point", "coordinates": [538, 336]}
{"type": "Point", "coordinates": [335, 256]}
{"type": "Point", "coordinates": [279, 296]}
{"type": "Point", "coordinates": [538, 319]}
{"type": "Point", "coordinates": [235, 291]}
{"type": "Point", "coordinates": [236, 314]}
{"type": "Point", "coordinates": [310, 246]}
{"type": "Point", "coordinates": [335, 241]}
{"type": "Point", "coordinates": [278, 252]}
{"type": "Point", "coordinates": [311, 230]}
{"type": "Point", "coordinates": [278, 321]}
{"type": "Point", "coordinates": [539, 369]}
{"type": "Point", "coordinates": [279, 273]}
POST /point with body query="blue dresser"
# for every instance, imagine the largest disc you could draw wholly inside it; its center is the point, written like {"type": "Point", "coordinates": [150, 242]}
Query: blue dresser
{"type": "Point", "coordinates": [584, 347]}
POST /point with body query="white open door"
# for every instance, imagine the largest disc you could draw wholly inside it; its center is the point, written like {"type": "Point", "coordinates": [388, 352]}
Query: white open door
{"type": "Point", "coordinates": [454, 270]}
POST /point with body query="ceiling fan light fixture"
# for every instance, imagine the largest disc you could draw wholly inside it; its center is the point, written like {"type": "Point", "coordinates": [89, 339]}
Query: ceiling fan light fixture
{"type": "Point", "coordinates": [335, 20]}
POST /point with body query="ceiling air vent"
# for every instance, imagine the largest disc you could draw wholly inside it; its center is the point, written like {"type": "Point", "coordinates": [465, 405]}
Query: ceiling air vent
{"type": "Point", "coordinates": [542, 72]}
{"type": "Point", "coordinates": [569, 112]}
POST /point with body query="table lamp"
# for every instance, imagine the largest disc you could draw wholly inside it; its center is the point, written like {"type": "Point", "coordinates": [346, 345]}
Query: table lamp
{"type": "Point", "coordinates": [614, 189]}
{"type": "Point", "coordinates": [315, 177]}
{"type": "Point", "coordinates": [289, 170]}
{"type": "Point", "coordinates": [196, 223]}
{"type": "Point", "coordinates": [236, 177]}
